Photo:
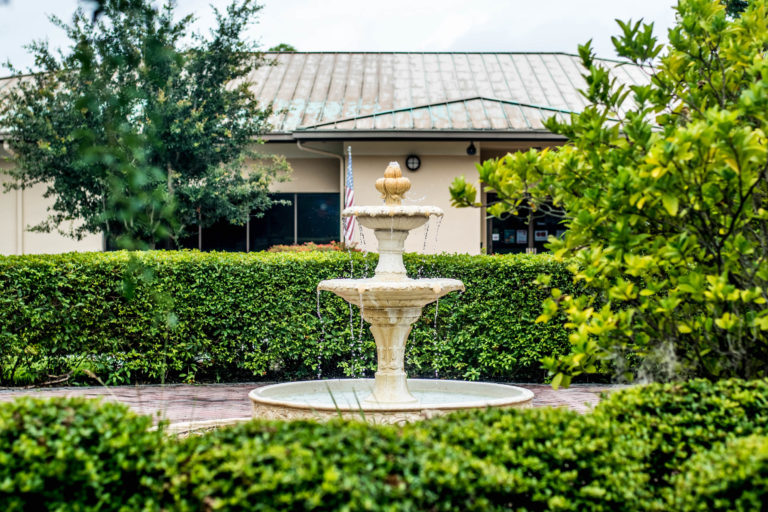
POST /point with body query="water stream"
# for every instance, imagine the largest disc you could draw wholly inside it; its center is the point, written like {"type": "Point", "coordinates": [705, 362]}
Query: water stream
{"type": "Point", "coordinates": [437, 230]}
{"type": "Point", "coordinates": [359, 348]}
{"type": "Point", "coordinates": [321, 341]}
{"type": "Point", "coordinates": [366, 265]}
{"type": "Point", "coordinates": [435, 341]}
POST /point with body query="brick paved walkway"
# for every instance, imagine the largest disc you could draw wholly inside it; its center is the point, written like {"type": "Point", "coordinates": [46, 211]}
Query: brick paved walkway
{"type": "Point", "coordinates": [208, 402]}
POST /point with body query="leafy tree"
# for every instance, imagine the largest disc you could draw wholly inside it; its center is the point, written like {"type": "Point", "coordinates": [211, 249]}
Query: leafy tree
{"type": "Point", "coordinates": [282, 47]}
{"type": "Point", "coordinates": [130, 76]}
{"type": "Point", "coordinates": [665, 186]}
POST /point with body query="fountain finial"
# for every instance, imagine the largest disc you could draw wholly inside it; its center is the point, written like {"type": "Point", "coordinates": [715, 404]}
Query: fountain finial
{"type": "Point", "coordinates": [393, 186]}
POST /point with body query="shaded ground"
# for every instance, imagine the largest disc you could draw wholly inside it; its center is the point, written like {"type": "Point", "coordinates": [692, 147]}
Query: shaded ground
{"type": "Point", "coordinates": [184, 402]}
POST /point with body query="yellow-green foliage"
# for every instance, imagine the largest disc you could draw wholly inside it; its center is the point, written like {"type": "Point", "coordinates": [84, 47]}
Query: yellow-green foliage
{"type": "Point", "coordinates": [666, 190]}
{"type": "Point", "coordinates": [226, 316]}
{"type": "Point", "coordinates": [646, 448]}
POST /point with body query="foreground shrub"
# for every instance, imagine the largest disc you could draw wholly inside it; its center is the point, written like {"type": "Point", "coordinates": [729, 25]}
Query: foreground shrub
{"type": "Point", "coordinates": [676, 420]}
{"type": "Point", "coordinates": [245, 316]}
{"type": "Point", "coordinates": [693, 446]}
{"type": "Point", "coordinates": [339, 465]}
{"type": "Point", "coordinates": [732, 476]}
{"type": "Point", "coordinates": [560, 460]}
{"type": "Point", "coordinates": [75, 454]}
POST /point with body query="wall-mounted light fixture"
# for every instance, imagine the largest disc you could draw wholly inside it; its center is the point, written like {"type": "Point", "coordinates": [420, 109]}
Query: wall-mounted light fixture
{"type": "Point", "coordinates": [412, 162]}
{"type": "Point", "coordinates": [471, 149]}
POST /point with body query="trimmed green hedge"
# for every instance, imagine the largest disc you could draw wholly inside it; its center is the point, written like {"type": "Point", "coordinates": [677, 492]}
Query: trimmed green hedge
{"type": "Point", "coordinates": [76, 454]}
{"type": "Point", "coordinates": [254, 316]}
{"type": "Point", "coordinates": [731, 477]}
{"type": "Point", "coordinates": [689, 446]}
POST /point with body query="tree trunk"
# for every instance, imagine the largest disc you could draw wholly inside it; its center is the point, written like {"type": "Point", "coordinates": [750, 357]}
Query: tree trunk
{"type": "Point", "coordinates": [199, 230]}
{"type": "Point", "coordinates": [531, 227]}
{"type": "Point", "coordinates": [169, 246]}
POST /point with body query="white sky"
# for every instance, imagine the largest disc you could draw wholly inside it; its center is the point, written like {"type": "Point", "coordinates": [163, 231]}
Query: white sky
{"type": "Point", "coordinates": [388, 25]}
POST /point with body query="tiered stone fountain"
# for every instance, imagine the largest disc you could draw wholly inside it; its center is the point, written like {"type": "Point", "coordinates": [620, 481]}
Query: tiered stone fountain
{"type": "Point", "coordinates": [391, 302]}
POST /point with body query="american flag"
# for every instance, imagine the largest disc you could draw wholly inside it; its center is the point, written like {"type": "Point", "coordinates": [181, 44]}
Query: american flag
{"type": "Point", "coordinates": [349, 200]}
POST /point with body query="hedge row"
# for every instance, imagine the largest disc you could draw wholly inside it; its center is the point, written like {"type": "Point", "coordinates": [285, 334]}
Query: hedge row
{"type": "Point", "coordinates": [690, 446]}
{"type": "Point", "coordinates": [254, 316]}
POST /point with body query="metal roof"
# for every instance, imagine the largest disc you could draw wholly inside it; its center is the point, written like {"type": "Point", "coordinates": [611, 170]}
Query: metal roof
{"type": "Point", "coordinates": [423, 93]}
{"type": "Point", "coordinates": [432, 95]}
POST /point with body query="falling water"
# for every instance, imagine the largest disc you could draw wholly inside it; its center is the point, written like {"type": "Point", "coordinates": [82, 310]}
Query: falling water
{"type": "Point", "coordinates": [351, 322]}
{"type": "Point", "coordinates": [435, 341]}
{"type": "Point", "coordinates": [321, 341]}
{"type": "Point", "coordinates": [359, 347]}
{"type": "Point", "coordinates": [366, 266]}
{"type": "Point", "coordinates": [437, 230]}
{"type": "Point", "coordinates": [426, 235]}
{"type": "Point", "coordinates": [362, 242]}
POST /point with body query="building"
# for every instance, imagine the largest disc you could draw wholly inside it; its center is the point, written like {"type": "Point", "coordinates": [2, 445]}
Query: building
{"type": "Point", "coordinates": [450, 110]}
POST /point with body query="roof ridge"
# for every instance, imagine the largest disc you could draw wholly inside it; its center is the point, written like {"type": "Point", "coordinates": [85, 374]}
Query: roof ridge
{"type": "Point", "coordinates": [427, 105]}
{"type": "Point", "coordinates": [382, 52]}
{"type": "Point", "coordinates": [458, 52]}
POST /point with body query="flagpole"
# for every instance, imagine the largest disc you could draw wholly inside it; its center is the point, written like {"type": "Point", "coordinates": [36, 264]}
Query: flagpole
{"type": "Point", "coordinates": [349, 201]}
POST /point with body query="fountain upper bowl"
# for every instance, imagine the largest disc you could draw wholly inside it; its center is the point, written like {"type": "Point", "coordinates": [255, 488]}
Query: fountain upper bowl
{"type": "Point", "coordinates": [396, 218]}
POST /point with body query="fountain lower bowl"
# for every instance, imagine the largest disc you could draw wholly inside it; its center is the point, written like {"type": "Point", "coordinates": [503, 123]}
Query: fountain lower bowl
{"type": "Point", "coordinates": [327, 399]}
{"type": "Point", "coordinates": [380, 293]}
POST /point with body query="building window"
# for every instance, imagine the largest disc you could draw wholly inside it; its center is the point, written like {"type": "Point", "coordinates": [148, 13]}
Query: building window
{"type": "Point", "coordinates": [308, 218]}
{"type": "Point", "coordinates": [514, 234]}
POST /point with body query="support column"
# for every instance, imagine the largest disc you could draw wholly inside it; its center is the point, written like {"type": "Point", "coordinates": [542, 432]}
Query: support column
{"type": "Point", "coordinates": [390, 328]}
{"type": "Point", "coordinates": [390, 266]}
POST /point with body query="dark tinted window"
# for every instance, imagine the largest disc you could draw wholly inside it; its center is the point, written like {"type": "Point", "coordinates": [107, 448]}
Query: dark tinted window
{"type": "Point", "coordinates": [275, 226]}
{"type": "Point", "coordinates": [306, 218]}
{"type": "Point", "coordinates": [224, 236]}
{"type": "Point", "coordinates": [318, 218]}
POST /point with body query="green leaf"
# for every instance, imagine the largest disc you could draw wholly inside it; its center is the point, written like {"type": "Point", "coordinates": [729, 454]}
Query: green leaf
{"type": "Point", "coordinates": [670, 204]}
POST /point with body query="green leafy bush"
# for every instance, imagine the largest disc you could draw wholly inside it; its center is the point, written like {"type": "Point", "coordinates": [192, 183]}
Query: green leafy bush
{"type": "Point", "coordinates": [76, 454]}
{"type": "Point", "coordinates": [246, 316]}
{"type": "Point", "coordinates": [731, 477]}
{"type": "Point", "coordinates": [665, 189]}
{"type": "Point", "coordinates": [689, 446]}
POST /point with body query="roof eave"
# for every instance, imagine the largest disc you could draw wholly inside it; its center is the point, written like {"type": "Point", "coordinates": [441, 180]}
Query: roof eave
{"type": "Point", "coordinates": [418, 135]}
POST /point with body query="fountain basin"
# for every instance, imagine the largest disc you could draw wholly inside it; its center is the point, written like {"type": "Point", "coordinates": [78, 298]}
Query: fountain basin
{"type": "Point", "coordinates": [327, 399]}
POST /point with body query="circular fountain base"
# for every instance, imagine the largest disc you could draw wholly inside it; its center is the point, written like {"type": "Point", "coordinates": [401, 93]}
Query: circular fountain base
{"type": "Point", "coordinates": [326, 399]}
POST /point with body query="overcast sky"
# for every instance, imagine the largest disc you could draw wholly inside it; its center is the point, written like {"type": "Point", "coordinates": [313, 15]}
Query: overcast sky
{"type": "Point", "coordinates": [389, 25]}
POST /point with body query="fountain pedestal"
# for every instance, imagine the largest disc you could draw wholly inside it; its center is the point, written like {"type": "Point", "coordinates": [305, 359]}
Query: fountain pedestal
{"type": "Point", "coordinates": [390, 328]}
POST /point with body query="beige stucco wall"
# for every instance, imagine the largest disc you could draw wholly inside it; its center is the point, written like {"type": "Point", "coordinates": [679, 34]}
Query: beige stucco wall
{"type": "Point", "coordinates": [21, 209]}
{"type": "Point", "coordinates": [441, 162]}
{"type": "Point", "coordinates": [311, 175]}
{"type": "Point", "coordinates": [461, 230]}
